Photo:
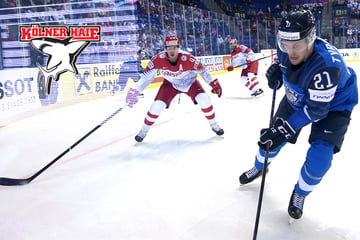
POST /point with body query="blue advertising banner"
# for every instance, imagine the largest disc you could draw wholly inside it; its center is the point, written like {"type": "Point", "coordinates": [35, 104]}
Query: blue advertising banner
{"type": "Point", "coordinates": [341, 12]}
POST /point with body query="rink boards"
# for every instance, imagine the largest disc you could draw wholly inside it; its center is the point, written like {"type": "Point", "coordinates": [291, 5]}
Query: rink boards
{"type": "Point", "coordinates": [22, 90]}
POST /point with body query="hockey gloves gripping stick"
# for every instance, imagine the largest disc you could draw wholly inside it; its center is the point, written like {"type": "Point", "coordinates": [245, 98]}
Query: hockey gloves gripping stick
{"type": "Point", "coordinates": [274, 75]}
{"type": "Point", "coordinates": [216, 87]}
{"type": "Point", "coordinates": [132, 97]}
{"type": "Point", "coordinates": [248, 62]}
{"type": "Point", "coordinates": [276, 135]}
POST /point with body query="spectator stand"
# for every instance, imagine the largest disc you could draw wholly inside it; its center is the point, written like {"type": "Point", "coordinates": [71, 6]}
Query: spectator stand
{"type": "Point", "coordinates": [118, 25]}
{"type": "Point", "coordinates": [143, 25]}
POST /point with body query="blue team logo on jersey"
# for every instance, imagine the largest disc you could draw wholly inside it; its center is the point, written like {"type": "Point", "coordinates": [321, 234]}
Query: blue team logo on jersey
{"type": "Point", "coordinates": [292, 95]}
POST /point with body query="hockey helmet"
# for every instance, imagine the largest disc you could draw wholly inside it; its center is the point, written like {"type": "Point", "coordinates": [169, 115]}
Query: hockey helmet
{"type": "Point", "coordinates": [143, 54]}
{"type": "Point", "coordinates": [295, 26]}
{"type": "Point", "coordinates": [233, 41]}
{"type": "Point", "coordinates": [171, 41]}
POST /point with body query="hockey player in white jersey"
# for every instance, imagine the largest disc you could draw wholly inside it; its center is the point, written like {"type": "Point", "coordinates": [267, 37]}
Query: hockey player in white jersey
{"type": "Point", "coordinates": [243, 56]}
{"type": "Point", "coordinates": [179, 70]}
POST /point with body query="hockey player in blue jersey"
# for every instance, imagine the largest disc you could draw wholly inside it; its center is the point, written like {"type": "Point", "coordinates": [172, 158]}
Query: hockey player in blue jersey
{"type": "Point", "coordinates": [319, 90]}
{"type": "Point", "coordinates": [131, 68]}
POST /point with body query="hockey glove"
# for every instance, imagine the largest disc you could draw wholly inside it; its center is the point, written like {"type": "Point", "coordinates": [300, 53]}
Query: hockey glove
{"type": "Point", "coordinates": [132, 97]}
{"type": "Point", "coordinates": [276, 135]}
{"type": "Point", "coordinates": [230, 68]}
{"type": "Point", "coordinates": [274, 76]}
{"type": "Point", "coordinates": [216, 88]}
{"type": "Point", "coordinates": [248, 62]}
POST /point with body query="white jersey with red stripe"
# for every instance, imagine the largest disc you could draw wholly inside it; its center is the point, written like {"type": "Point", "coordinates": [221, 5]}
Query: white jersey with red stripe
{"type": "Point", "coordinates": [240, 54]}
{"type": "Point", "coordinates": [181, 76]}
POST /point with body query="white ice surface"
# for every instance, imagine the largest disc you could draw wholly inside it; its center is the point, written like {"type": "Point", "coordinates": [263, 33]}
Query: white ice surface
{"type": "Point", "coordinates": [181, 183]}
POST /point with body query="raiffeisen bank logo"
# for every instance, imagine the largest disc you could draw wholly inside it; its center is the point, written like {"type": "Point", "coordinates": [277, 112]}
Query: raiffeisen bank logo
{"type": "Point", "coordinates": [62, 44]}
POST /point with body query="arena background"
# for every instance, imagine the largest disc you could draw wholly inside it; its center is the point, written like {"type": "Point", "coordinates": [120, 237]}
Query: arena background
{"type": "Point", "coordinates": [182, 181]}
{"type": "Point", "coordinates": [203, 27]}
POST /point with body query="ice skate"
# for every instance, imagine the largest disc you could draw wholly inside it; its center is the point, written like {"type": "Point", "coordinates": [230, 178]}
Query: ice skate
{"type": "Point", "coordinates": [219, 131]}
{"type": "Point", "coordinates": [296, 205]}
{"type": "Point", "coordinates": [258, 92]}
{"type": "Point", "coordinates": [140, 136]}
{"type": "Point", "coordinates": [250, 175]}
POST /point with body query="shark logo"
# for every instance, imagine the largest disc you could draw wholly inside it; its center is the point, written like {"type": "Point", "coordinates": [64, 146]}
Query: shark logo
{"type": "Point", "coordinates": [62, 56]}
{"type": "Point", "coordinates": [62, 45]}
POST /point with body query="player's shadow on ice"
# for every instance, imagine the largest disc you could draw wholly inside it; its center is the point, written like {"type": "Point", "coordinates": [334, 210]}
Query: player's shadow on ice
{"type": "Point", "coordinates": [275, 219]}
{"type": "Point", "coordinates": [276, 226]}
{"type": "Point", "coordinates": [150, 149]}
{"type": "Point", "coordinates": [242, 98]}
{"type": "Point", "coordinates": [177, 144]}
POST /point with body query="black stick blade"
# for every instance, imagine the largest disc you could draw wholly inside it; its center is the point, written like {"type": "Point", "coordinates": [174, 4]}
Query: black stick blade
{"type": "Point", "coordinates": [13, 182]}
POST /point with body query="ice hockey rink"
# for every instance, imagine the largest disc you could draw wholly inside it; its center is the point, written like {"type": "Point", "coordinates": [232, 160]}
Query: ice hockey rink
{"type": "Point", "coordinates": [181, 183]}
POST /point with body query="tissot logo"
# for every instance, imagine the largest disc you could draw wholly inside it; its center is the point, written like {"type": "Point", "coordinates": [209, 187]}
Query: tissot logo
{"type": "Point", "coordinates": [62, 44]}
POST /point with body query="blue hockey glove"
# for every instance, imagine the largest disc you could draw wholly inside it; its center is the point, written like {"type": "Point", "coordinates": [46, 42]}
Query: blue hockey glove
{"type": "Point", "coordinates": [274, 76]}
{"type": "Point", "coordinates": [276, 135]}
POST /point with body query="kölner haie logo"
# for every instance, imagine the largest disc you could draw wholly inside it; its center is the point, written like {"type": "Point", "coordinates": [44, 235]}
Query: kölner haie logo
{"type": "Point", "coordinates": [62, 44]}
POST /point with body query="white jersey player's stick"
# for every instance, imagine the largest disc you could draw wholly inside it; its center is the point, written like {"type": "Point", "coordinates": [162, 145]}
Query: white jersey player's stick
{"type": "Point", "coordinates": [255, 60]}
{"type": "Point", "coordinates": [15, 182]}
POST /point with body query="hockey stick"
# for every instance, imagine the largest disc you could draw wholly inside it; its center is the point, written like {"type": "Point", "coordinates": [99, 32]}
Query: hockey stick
{"type": "Point", "coordinates": [255, 60]}
{"type": "Point", "coordinates": [265, 166]}
{"type": "Point", "coordinates": [15, 182]}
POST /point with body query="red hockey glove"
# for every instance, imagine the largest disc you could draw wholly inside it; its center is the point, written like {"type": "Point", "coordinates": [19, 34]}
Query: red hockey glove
{"type": "Point", "coordinates": [131, 97]}
{"type": "Point", "coordinates": [248, 62]}
{"type": "Point", "coordinates": [230, 68]}
{"type": "Point", "coordinates": [216, 88]}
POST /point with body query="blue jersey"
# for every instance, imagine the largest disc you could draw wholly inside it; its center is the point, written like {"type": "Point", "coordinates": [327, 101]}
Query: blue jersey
{"type": "Point", "coordinates": [132, 66]}
{"type": "Point", "coordinates": [130, 69]}
{"type": "Point", "coordinates": [321, 84]}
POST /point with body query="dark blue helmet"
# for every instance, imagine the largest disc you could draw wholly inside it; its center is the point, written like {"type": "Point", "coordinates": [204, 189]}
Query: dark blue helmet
{"type": "Point", "coordinates": [295, 26]}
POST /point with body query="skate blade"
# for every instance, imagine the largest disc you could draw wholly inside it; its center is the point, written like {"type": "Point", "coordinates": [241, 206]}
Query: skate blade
{"type": "Point", "coordinates": [259, 96]}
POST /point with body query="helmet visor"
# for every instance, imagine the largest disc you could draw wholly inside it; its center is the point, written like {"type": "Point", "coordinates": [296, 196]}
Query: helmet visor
{"type": "Point", "coordinates": [287, 46]}
{"type": "Point", "coordinates": [292, 41]}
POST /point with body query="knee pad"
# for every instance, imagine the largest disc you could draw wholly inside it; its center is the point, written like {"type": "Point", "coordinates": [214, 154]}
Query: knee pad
{"type": "Point", "coordinates": [251, 75]}
{"type": "Point", "coordinates": [203, 99]}
{"type": "Point", "coordinates": [244, 79]}
{"type": "Point", "coordinates": [157, 107]}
